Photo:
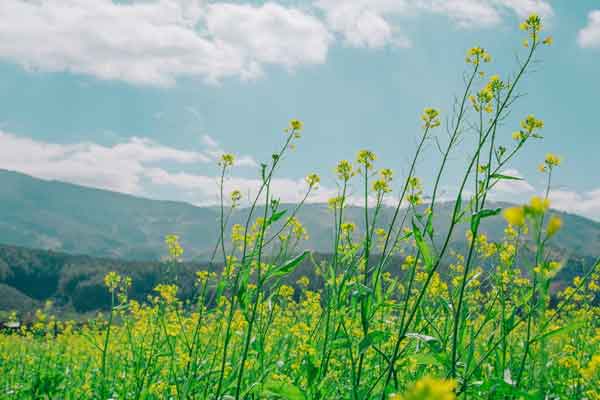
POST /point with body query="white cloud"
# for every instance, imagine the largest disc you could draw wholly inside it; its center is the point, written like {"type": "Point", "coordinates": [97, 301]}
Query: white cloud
{"type": "Point", "coordinates": [121, 167]}
{"type": "Point", "coordinates": [214, 150]}
{"type": "Point", "coordinates": [506, 189]}
{"type": "Point", "coordinates": [375, 23]}
{"type": "Point", "coordinates": [586, 203]}
{"type": "Point", "coordinates": [589, 37]}
{"type": "Point", "coordinates": [524, 8]}
{"type": "Point", "coordinates": [204, 190]}
{"type": "Point", "coordinates": [363, 23]}
{"type": "Point", "coordinates": [466, 13]}
{"type": "Point", "coordinates": [271, 34]}
{"type": "Point", "coordinates": [155, 42]}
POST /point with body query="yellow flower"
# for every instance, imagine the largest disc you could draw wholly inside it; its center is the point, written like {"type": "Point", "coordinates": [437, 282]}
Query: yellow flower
{"type": "Point", "coordinates": [515, 216]}
{"type": "Point", "coordinates": [537, 205]}
{"type": "Point", "coordinates": [286, 291]}
{"type": "Point", "coordinates": [313, 180]}
{"type": "Point", "coordinates": [335, 202]}
{"type": "Point", "coordinates": [175, 249]}
{"type": "Point", "coordinates": [236, 196]}
{"type": "Point", "coordinates": [296, 125]}
{"type": "Point", "coordinates": [348, 227]}
{"type": "Point", "coordinates": [532, 24]}
{"type": "Point", "coordinates": [386, 174]}
{"type": "Point", "coordinates": [517, 136]}
{"type": "Point", "coordinates": [548, 41]}
{"type": "Point", "coordinates": [431, 118]}
{"type": "Point", "coordinates": [344, 170]}
{"type": "Point", "coordinates": [167, 292]}
{"type": "Point", "coordinates": [530, 124]}
{"type": "Point", "coordinates": [227, 160]}
{"type": "Point", "coordinates": [476, 55]}
{"type": "Point", "coordinates": [303, 281]}
{"type": "Point", "coordinates": [592, 368]}
{"type": "Point", "coordinates": [202, 276]}
{"type": "Point", "coordinates": [554, 225]}
{"type": "Point", "coordinates": [112, 280]}
{"type": "Point", "coordinates": [430, 389]}
{"type": "Point", "coordinates": [366, 158]}
{"type": "Point", "coordinates": [552, 160]}
{"type": "Point", "coordinates": [381, 186]}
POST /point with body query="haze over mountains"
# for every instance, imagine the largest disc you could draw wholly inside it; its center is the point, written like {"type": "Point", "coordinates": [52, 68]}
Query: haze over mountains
{"type": "Point", "coordinates": [74, 219]}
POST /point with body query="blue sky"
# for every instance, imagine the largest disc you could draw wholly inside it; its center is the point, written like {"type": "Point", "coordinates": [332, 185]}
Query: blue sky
{"type": "Point", "coordinates": [142, 96]}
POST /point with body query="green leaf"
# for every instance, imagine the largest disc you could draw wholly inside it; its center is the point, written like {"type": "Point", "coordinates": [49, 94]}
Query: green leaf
{"type": "Point", "coordinates": [276, 217]}
{"type": "Point", "coordinates": [341, 343]}
{"type": "Point", "coordinates": [423, 247]}
{"type": "Point", "coordinates": [289, 266]}
{"type": "Point", "coordinates": [458, 209]}
{"type": "Point", "coordinates": [425, 359]}
{"type": "Point", "coordinates": [560, 331]}
{"type": "Point", "coordinates": [481, 214]}
{"type": "Point", "coordinates": [506, 177]}
{"type": "Point", "coordinates": [372, 338]}
{"type": "Point", "coordinates": [433, 342]}
{"type": "Point", "coordinates": [283, 390]}
{"type": "Point", "coordinates": [360, 291]}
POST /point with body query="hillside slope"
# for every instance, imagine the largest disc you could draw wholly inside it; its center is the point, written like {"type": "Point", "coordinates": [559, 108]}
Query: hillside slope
{"type": "Point", "coordinates": [74, 219]}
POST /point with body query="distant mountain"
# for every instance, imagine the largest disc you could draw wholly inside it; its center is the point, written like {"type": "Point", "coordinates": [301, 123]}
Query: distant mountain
{"type": "Point", "coordinates": [74, 219]}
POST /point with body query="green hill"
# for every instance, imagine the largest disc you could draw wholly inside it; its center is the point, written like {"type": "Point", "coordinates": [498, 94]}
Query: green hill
{"type": "Point", "coordinates": [74, 219]}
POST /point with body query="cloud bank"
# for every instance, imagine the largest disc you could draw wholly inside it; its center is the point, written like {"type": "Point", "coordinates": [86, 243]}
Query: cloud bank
{"type": "Point", "coordinates": [589, 36]}
{"type": "Point", "coordinates": [156, 42]}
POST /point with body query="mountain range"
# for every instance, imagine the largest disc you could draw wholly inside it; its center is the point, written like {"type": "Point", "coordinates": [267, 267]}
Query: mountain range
{"type": "Point", "coordinates": [74, 219]}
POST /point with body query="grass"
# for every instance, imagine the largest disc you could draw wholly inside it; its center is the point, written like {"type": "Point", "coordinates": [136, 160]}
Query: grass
{"type": "Point", "coordinates": [490, 329]}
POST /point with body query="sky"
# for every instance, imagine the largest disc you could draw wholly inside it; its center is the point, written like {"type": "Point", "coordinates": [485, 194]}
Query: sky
{"type": "Point", "coordinates": [142, 97]}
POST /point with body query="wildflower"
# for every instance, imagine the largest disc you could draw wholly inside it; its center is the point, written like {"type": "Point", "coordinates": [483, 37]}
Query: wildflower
{"type": "Point", "coordinates": [348, 227]}
{"type": "Point", "coordinates": [592, 368]}
{"type": "Point", "coordinates": [344, 170]}
{"type": "Point", "coordinates": [530, 124]}
{"type": "Point", "coordinates": [112, 280]}
{"type": "Point", "coordinates": [297, 228]}
{"type": "Point", "coordinates": [552, 160]}
{"type": "Point", "coordinates": [202, 276]}
{"type": "Point", "coordinates": [167, 292]}
{"type": "Point", "coordinates": [515, 216]}
{"type": "Point", "coordinates": [554, 225]}
{"type": "Point", "coordinates": [518, 136]}
{"type": "Point", "coordinates": [296, 125]}
{"type": "Point", "coordinates": [533, 24]}
{"type": "Point", "coordinates": [386, 174]}
{"type": "Point", "coordinates": [335, 202]}
{"type": "Point", "coordinates": [431, 118]}
{"type": "Point", "coordinates": [175, 249]}
{"type": "Point", "coordinates": [548, 41]}
{"type": "Point", "coordinates": [236, 196]}
{"type": "Point", "coordinates": [430, 389]}
{"type": "Point", "coordinates": [366, 158]}
{"type": "Point", "coordinates": [381, 186]}
{"type": "Point", "coordinates": [538, 205]}
{"type": "Point", "coordinates": [313, 180]}
{"type": "Point", "coordinates": [303, 281]}
{"type": "Point", "coordinates": [227, 160]}
{"type": "Point", "coordinates": [286, 291]}
{"type": "Point", "coordinates": [476, 55]}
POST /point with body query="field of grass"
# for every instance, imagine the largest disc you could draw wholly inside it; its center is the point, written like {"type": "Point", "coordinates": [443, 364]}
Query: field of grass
{"type": "Point", "coordinates": [492, 327]}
